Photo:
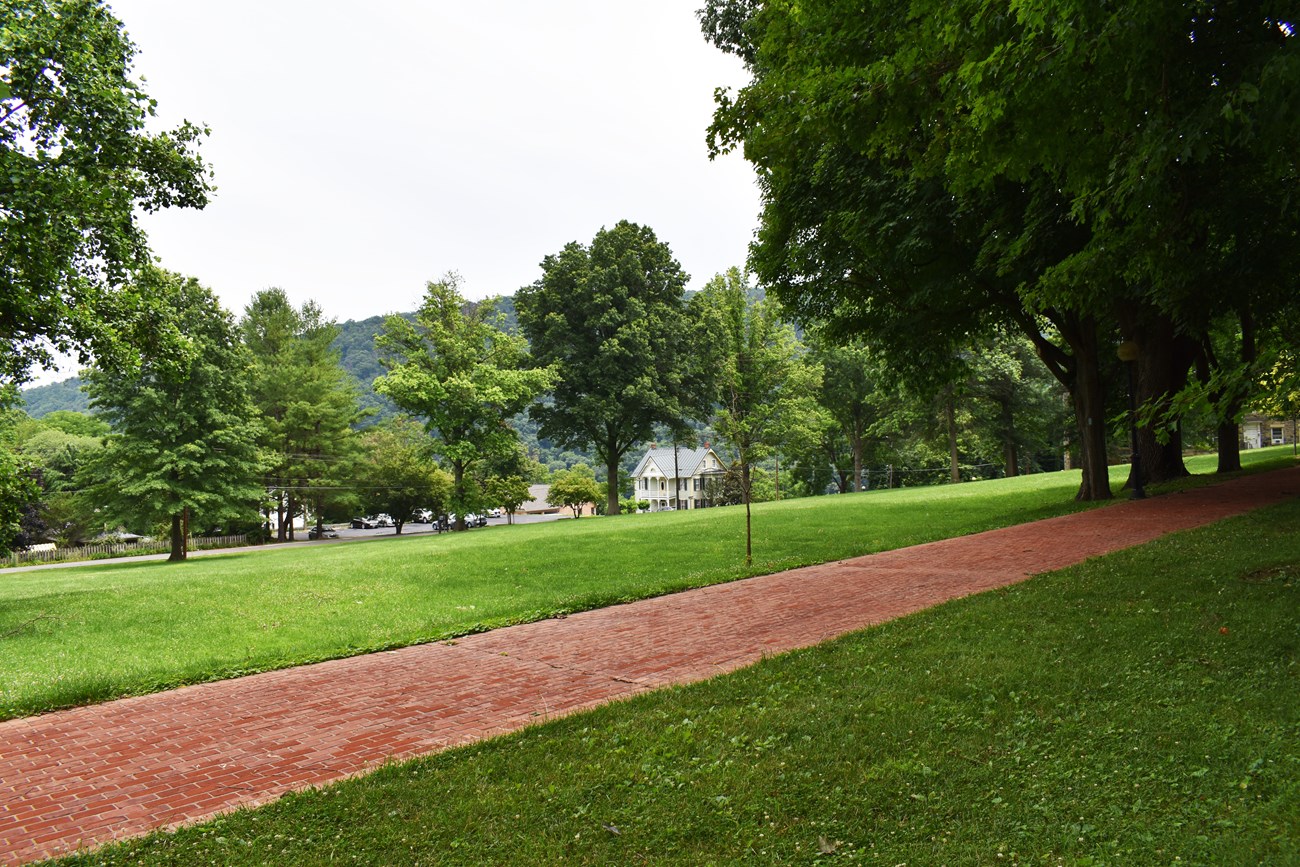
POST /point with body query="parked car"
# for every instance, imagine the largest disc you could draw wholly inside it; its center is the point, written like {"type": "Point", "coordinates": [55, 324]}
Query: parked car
{"type": "Point", "coordinates": [362, 524]}
{"type": "Point", "coordinates": [470, 520]}
{"type": "Point", "coordinates": [322, 533]}
{"type": "Point", "coordinates": [494, 513]}
{"type": "Point", "coordinates": [422, 516]}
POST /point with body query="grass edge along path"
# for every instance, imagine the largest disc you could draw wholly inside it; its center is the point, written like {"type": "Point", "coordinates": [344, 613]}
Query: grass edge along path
{"type": "Point", "coordinates": [424, 700]}
{"type": "Point", "coordinates": [1138, 709]}
{"type": "Point", "coordinates": [80, 636]}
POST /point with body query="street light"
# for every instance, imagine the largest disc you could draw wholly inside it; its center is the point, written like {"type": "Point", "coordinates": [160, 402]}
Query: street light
{"type": "Point", "coordinates": [1128, 353]}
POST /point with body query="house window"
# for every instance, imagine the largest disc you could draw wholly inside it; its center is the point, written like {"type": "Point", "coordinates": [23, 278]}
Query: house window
{"type": "Point", "coordinates": [1277, 436]}
{"type": "Point", "coordinates": [696, 482]}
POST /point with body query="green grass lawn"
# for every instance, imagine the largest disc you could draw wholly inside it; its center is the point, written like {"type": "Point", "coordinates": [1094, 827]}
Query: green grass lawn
{"type": "Point", "coordinates": [1138, 709]}
{"type": "Point", "coordinates": [86, 634]}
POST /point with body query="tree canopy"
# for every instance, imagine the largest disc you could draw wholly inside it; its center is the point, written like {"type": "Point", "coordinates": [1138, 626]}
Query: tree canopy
{"type": "Point", "coordinates": [457, 370]}
{"type": "Point", "coordinates": [1086, 172]}
{"type": "Point", "coordinates": [610, 318]}
{"type": "Point", "coordinates": [77, 164]}
{"type": "Point", "coordinates": [184, 441]}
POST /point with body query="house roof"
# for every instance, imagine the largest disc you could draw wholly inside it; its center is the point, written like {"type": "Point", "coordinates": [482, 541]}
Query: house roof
{"type": "Point", "coordinates": [537, 503]}
{"type": "Point", "coordinates": [688, 461]}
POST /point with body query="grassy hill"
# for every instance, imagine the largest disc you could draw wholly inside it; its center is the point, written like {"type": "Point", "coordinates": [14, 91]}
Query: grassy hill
{"type": "Point", "coordinates": [1137, 709]}
{"type": "Point", "coordinates": [86, 634]}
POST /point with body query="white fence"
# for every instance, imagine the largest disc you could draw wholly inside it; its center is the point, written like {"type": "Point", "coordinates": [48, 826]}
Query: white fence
{"type": "Point", "coordinates": [119, 549]}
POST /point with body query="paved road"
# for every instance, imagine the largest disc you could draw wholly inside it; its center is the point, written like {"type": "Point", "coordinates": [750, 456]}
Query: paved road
{"type": "Point", "coordinates": [89, 775]}
{"type": "Point", "coordinates": [346, 534]}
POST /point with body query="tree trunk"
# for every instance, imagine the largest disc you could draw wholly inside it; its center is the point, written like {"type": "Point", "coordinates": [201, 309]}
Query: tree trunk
{"type": "Point", "coordinates": [1080, 373]}
{"type": "Point", "coordinates": [1229, 435]}
{"type": "Point", "coordinates": [749, 535]}
{"type": "Point", "coordinates": [458, 493]}
{"type": "Point", "coordinates": [611, 467]}
{"type": "Point", "coordinates": [1010, 454]}
{"type": "Point", "coordinates": [293, 512]}
{"type": "Point", "coordinates": [178, 540]}
{"type": "Point", "coordinates": [677, 479]}
{"type": "Point", "coordinates": [950, 416]}
{"type": "Point", "coordinates": [1164, 361]}
{"type": "Point", "coordinates": [857, 454]}
{"type": "Point", "coordinates": [1089, 398]}
{"type": "Point", "coordinates": [1229, 447]}
{"type": "Point", "coordinates": [279, 517]}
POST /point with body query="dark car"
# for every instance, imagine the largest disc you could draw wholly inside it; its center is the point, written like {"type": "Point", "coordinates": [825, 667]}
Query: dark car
{"type": "Point", "coordinates": [361, 524]}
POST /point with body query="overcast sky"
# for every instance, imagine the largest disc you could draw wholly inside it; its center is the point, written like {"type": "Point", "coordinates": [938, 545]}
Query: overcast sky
{"type": "Point", "coordinates": [361, 150]}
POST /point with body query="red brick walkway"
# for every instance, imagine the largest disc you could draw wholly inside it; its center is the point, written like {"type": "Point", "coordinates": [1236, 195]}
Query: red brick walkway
{"type": "Point", "coordinates": [81, 777]}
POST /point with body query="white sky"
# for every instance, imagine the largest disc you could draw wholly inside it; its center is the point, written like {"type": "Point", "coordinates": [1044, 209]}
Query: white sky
{"type": "Point", "coordinates": [361, 150]}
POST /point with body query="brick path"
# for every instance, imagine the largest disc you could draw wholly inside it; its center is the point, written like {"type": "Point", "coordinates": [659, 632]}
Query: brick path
{"type": "Point", "coordinates": [82, 777]}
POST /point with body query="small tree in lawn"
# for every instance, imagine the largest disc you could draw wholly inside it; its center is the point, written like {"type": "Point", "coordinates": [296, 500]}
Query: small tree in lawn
{"type": "Point", "coordinates": [185, 433]}
{"type": "Point", "coordinates": [507, 477]}
{"type": "Point", "coordinates": [455, 368]}
{"type": "Point", "coordinates": [574, 488]}
{"type": "Point", "coordinates": [765, 387]}
{"type": "Point", "coordinates": [400, 475]}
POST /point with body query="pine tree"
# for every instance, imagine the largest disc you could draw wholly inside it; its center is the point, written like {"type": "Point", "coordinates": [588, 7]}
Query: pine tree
{"type": "Point", "coordinates": [184, 441]}
{"type": "Point", "coordinates": [309, 402]}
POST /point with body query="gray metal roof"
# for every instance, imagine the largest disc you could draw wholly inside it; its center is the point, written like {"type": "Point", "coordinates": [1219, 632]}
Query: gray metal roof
{"type": "Point", "coordinates": [688, 461]}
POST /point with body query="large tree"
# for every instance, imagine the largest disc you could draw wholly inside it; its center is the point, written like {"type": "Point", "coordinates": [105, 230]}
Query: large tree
{"type": "Point", "coordinates": [1075, 162]}
{"type": "Point", "coordinates": [610, 318]}
{"type": "Point", "coordinates": [77, 165]}
{"type": "Point", "coordinates": [309, 403]}
{"type": "Point", "coordinates": [184, 441]}
{"type": "Point", "coordinates": [18, 488]}
{"type": "Point", "coordinates": [465, 377]}
{"type": "Point", "coordinates": [765, 385]}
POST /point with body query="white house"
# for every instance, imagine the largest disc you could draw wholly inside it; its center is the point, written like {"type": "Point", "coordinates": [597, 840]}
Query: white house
{"type": "Point", "coordinates": [676, 478]}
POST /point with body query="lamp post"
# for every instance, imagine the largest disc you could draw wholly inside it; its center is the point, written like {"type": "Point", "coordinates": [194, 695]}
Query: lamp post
{"type": "Point", "coordinates": [1128, 353]}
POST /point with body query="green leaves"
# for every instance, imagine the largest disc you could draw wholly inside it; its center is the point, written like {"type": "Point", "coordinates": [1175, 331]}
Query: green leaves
{"type": "Point", "coordinates": [75, 162]}
{"type": "Point", "coordinates": [464, 376]}
{"type": "Point", "coordinates": [609, 319]}
{"type": "Point", "coordinates": [184, 431]}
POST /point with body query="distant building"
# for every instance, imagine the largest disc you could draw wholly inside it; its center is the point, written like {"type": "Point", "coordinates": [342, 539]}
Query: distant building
{"type": "Point", "coordinates": [538, 504]}
{"type": "Point", "coordinates": [1258, 431]}
{"type": "Point", "coordinates": [677, 478]}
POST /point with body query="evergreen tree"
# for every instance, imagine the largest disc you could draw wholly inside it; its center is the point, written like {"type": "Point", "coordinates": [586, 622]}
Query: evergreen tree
{"type": "Point", "coordinates": [309, 403]}
{"type": "Point", "coordinates": [184, 442]}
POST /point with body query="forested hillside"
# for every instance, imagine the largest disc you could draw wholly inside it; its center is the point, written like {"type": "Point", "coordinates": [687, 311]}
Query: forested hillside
{"type": "Point", "coordinates": [356, 347]}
